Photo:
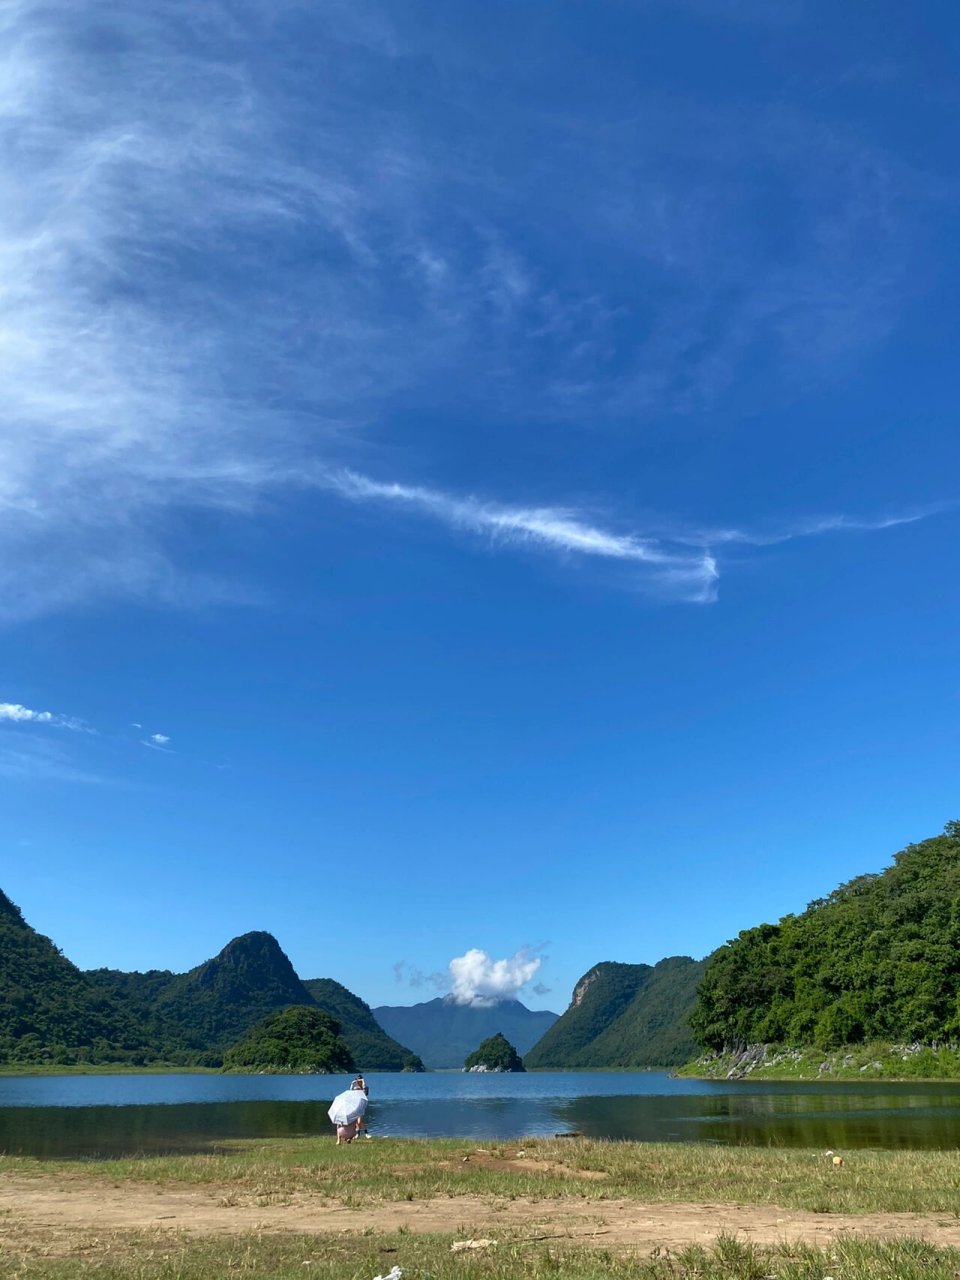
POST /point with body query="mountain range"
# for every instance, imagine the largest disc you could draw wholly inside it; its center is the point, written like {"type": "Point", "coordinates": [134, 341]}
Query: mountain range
{"type": "Point", "coordinates": [443, 1032]}
{"type": "Point", "coordinates": [53, 1012]}
{"type": "Point", "coordinates": [873, 961]}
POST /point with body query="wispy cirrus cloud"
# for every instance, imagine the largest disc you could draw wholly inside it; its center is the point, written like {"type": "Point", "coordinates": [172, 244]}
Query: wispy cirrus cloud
{"type": "Point", "coordinates": [674, 562]}
{"type": "Point", "coordinates": [811, 527]}
{"type": "Point", "coordinates": [224, 265]}
{"type": "Point", "coordinates": [675, 571]}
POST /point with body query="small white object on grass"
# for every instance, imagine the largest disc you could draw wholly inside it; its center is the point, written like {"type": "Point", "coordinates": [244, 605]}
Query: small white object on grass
{"type": "Point", "coordinates": [393, 1274]}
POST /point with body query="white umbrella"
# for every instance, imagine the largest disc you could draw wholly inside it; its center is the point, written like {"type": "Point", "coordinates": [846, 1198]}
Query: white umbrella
{"type": "Point", "coordinates": [348, 1106]}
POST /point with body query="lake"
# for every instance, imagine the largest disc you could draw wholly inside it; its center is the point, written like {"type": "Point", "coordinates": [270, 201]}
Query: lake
{"type": "Point", "coordinates": [90, 1116]}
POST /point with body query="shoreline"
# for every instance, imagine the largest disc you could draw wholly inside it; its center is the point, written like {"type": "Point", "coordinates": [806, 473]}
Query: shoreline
{"type": "Point", "coordinates": [875, 1061]}
{"type": "Point", "coordinates": [12, 1069]}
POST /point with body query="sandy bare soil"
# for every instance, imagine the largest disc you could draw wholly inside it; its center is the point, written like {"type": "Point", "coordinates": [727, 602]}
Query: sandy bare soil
{"type": "Point", "coordinates": [47, 1213]}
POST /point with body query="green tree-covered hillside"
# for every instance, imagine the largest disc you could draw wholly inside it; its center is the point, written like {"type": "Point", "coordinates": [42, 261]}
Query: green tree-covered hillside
{"type": "Point", "coordinates": [879, 959]}
{"type": "Point", "coordinates": [300, 1039]}
{"type": "Point", "coordinates": [625, 1015]}
{"type": "Point", "coordinates": [371, 1047]}
{"type": "Point", "coordinates": [49, 1010]}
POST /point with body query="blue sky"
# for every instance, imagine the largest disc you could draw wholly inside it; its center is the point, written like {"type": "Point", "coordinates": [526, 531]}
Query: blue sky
{"type": "Point", "coordinates": [476, 478]}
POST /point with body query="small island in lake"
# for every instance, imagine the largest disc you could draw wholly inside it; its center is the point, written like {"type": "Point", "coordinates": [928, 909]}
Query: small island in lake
{"type": "Point", "coordinates": [494, 1054]}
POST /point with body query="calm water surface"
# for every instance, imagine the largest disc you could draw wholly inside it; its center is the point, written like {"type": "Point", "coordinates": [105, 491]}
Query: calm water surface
{"type": "Point", "coordinates": [52, 1116]}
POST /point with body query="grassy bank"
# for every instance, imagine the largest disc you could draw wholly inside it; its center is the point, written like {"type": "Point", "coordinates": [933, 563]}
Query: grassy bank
{"type": "Point", "coordinates": [876, 1061]}
{"type": "Point", "coordinates": [388, 1170]}
{"type": "Point", "coordinates": [146, 1257]}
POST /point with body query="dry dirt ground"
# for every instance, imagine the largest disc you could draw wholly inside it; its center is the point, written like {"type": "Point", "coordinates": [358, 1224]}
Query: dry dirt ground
{"type": "Point", "coordinates": [45, 1213]}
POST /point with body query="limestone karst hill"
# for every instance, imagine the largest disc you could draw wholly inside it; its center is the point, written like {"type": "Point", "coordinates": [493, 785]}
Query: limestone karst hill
{"type": "Point", "coordinates": [625, 1015]}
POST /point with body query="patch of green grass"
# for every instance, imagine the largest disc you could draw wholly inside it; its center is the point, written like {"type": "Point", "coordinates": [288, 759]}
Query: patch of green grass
{"type": "Point", "coordinates": [392, 1169]}
{"type": "Point", "coordinates": [148, 1256]}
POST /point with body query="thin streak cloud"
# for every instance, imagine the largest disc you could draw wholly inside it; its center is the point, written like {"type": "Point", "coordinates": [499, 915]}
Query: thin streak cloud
{"type": "Point", "coordinates": [680, 565]}
{"type": "Point", "coordinates": [685, 575]}
{"type": "Point", "coordinates": [815, 526]}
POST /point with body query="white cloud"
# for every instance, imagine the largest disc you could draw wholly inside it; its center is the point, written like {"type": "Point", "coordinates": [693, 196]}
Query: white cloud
{"type": "Point", "coordinates": [481, 981]}
{"type": "Point", "coordinates": [685, 575]}
{"type": "Point", "coordinates": [159, 739]}
{"type": "Point", "coordinates": [678, 563]}
{"type": "Point", "coordinates": [16, 713]}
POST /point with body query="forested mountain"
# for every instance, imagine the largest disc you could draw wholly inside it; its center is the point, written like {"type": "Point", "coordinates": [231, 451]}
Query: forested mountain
{"type": "Point", "coordinates": [51, 1011]}
{"type": "Point", "coordinates": [221, 999]}
{"type": "Point", "coordinates": [443, 1032]}
{"type": "Point", "coordinates": [625, 1015]}
{"type": "Point", "coordinates": [204, 1011]}
{"type": "Point", "coordinates": [372, 1048]}
{"type": "Point", "coordinates": [879, 959]}
{"type": "Point", "coordinates": [300, 1039]}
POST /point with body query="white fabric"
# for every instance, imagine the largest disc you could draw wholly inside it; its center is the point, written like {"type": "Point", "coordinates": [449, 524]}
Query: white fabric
{"type": "Point", "coordinates": [347, 1106]}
